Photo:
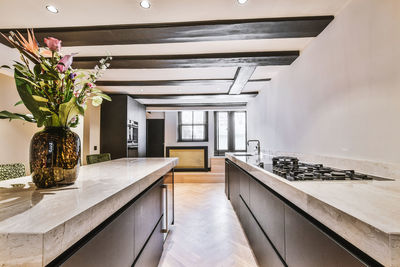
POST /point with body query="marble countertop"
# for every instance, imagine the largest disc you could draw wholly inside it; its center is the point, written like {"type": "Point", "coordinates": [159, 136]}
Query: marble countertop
{"type": "Point", "coordinates": [365, 213]}
{"type": "Point", "coordinates": [37, 225]}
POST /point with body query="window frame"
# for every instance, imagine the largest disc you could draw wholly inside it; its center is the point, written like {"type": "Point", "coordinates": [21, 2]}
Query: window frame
{"type": "Point", "coordinates": [205, 125]}
{"type": "Point", "coordinates": [231, 133]}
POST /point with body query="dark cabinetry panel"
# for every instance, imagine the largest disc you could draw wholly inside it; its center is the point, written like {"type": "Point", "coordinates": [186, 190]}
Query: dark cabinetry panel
{"type": "Point", "coordinates": [114, 117]}
{"type": "Point", "coordinates": [264, 252]}
{"type": "Point", "coordinates": [151, 254]}
{"type": "Point", "coordinates": [113, 246]}
{"type": "Point", "coordinates": [234, 187]}
{"type": "Point", "coordinates": [308, 246]}
{"type": "Point", "coordinates": [227, 166]}
{"type": "Point", "coordinates": [131, 235]}
{"type": "Point", "coordinates": [113, 127]}
{"type": "Point", "coordinates": [279, 233]}
{"type": "Point", "coordinates": [244, 181]}
{"type": "Point", "coordinates": [270, 213]}
{"type": "Point", "coordinates": [147, 214]}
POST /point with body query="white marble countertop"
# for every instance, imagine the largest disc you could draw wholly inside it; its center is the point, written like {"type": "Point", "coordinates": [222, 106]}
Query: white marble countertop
{"type": "Point", "coordinates": [365, 213]}
{"type": "Point", "coordinates": [38, 225]}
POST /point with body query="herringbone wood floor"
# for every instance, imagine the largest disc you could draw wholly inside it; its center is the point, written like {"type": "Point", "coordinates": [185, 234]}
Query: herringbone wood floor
{"type": "Point", "coordinates": [206, 232]}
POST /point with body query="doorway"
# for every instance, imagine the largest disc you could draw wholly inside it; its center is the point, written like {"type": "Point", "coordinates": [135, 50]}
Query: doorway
{"type": "Point", "coordinates": [155, 138]}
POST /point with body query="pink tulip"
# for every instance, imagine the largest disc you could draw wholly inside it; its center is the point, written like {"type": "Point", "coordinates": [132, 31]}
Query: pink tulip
{"type": "Point", "coordinates": [64, 63]}
{"type": "Point", "coordinates": [53, 44]}
{"type": "Point", "coordinates": [90, 85]}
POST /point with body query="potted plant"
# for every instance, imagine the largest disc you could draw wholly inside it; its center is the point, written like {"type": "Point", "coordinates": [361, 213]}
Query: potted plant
{"type": "Point", "coordinates": [55, 94]}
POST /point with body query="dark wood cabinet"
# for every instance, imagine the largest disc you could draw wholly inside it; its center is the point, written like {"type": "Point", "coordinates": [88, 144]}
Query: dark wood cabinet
{"type": "Point", "coordinates": [133, 235]}
{"type": "Point", "coordinates": [244, 182]}
{"type": "Point", "coordinates": [113, 246]}
{"type": "Point", "coordinates": [227, 178]}
{"type": "Point", "coordinates": [262, 248]}
{"type": "Point", "coordinates": [270, 213]}
{"type": "Point", "coordinates": [114, 118]}
{"type": "Point", "coordinates": [147, 214]}
{"type": "Point", "coordinates": [308, 246]}
{"type": "Point", "coordinates": [234, 187]}
{"type": "Point", "coordinates": [279, 233]}
{"type": "Point", "coordinates": [151, 253]}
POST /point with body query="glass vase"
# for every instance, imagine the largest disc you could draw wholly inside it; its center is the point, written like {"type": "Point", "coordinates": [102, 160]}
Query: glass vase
{"type": "Point", "coordinates": [55, 154]}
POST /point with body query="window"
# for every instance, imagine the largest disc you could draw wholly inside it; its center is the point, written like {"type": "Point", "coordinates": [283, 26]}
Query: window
{"type": "Point", "coordinates": [230, 131]}
{"type": "Point", "coordinates": [192, 126]}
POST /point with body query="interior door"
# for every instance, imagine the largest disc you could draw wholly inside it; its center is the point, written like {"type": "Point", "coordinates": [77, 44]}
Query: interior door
{"type": "Point", "coordinates": [155, 138]}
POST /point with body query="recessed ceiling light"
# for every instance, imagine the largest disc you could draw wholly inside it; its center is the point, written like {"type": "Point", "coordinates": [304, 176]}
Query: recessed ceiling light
{"type": "Point", "coordinates": [146, 3]}
{"type": "Point", "coordinates": [242, 1]}
{"type": "Point", "coordinates": [52, 9]}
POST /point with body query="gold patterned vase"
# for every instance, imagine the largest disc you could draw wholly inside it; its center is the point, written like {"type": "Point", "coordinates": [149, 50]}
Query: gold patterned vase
{"type": "Point", "coordinates": [55, 154]}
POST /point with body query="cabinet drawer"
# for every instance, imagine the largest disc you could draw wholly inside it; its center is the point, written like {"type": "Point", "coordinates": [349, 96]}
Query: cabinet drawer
{"type": "Point", "coordinates": [262, 249]}
{"type": "Point", "coordinates": [308, 246]}
{"type": "Point", "coordinates": [244, 186]}
{"type": "Point", "coordinates": [148, 211]}
{"type": "Point", "coordinates": [270, 213]}
{"type": "Point", "coordinates": [112, 246]}
{"type": "Point", "coordinates": [234, 187]}
{"type": "Point", "coordinates": [151, 254]}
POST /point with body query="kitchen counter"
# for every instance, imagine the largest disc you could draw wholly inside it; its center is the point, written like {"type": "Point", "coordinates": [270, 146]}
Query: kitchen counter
{"type": "Point", "coordinates": [37, 225]}
{"type": "Point", "coordinates": [365, 213]}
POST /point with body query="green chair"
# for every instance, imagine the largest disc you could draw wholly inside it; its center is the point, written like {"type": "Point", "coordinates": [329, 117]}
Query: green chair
{"type": "Point", "coordinates": [10, 171]}
{"type": "Point", "coordinates": [97, 158]}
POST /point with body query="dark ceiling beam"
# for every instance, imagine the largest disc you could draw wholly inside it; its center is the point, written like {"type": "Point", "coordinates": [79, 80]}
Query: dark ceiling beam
{"type": "Point", "coordinates": [193, 60]}
{"type": "Point", "coordinates": [194, 82]}
{"type": "Point", "coordinates": [259, 80]}
{"type": "Point", "coordinates": [181, 105]}
{"type": "Point", "coordinates": [192, 96]}
{"type": "Point", "coordinates": [242, 76]}
{"type": "Point", "coordinates": [194, 31]}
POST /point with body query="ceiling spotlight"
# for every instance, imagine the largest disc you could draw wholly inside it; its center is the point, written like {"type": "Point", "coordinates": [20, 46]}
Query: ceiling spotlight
{"type": "Point", "coordinates": [52, 9]}
{"type": "Point", "coordinates": [146, 3]}
{"type": "Point", "coordinates": [242, 1]}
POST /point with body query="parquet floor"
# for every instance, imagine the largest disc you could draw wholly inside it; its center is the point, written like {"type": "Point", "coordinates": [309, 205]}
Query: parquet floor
{"type": "Point", "coordinates": [206, 232]}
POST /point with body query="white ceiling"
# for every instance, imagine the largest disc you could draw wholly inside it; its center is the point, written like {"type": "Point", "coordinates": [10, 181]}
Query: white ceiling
{"type": "Point", "coordinates": [32, 13]}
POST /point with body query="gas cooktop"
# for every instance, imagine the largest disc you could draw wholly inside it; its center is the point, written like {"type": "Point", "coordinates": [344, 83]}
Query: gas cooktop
{"type": "Point", "coordinates": [291, 169]}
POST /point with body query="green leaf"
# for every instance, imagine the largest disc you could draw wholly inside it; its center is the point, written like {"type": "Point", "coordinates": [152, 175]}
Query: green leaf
{"type": "Point", "coordinates": [68, 110]}
{"type": "Point", "coordinates": [104, 96]}
{"type": "Point", "coordinates": [25, 92]}
{"type": "Point", "coordinates": [18, 103]}
{"type": "Point", "coordinates": [40, 99]}
{"type": "Point", "coordinates": [44, 109]}
{"type": "Point", "coordinates": [16, 116]}
{"type": "Point", "coordinates": [37, 69]}
{"type": "Point", "coordinates": [55, 120]}
{"type": "Point", "coordinates": [27, 80]}
{"type": "Point", "coordinates": [5, 67]}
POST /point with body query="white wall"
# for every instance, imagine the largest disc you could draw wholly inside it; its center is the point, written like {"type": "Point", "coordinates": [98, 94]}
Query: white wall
{"type": "Point", "coordinates": [15, 136]}
{"type": "Point", "coordinates": [171, 132]}
{"type": "Point", "coordinates": [91, 131]}
{"type": "Point", "coordinates": [341, 97]}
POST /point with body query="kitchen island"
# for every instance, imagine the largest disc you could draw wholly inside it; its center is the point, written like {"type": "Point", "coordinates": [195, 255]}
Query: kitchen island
{"type": "Point", "coordinates": [333, 223]}
{"type": "Point", "coordinates": [111, 202]}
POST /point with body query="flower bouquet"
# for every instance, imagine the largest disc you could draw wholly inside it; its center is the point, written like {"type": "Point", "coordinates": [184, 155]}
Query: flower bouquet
{"type": "Point", "coordinates": [55, 94]}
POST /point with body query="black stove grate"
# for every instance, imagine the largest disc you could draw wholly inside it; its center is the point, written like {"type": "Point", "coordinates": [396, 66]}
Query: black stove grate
{"type": "Point", "coordinates": [293, 170]}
